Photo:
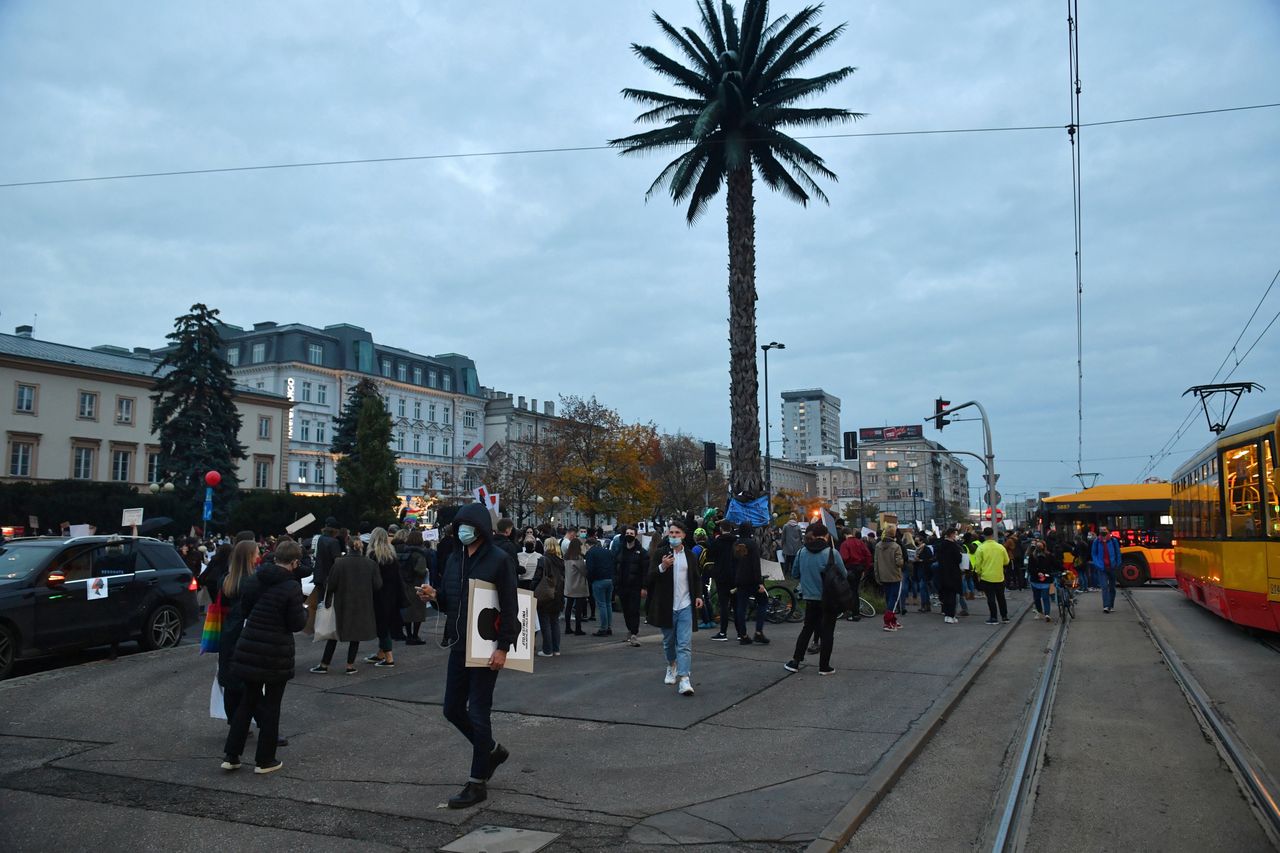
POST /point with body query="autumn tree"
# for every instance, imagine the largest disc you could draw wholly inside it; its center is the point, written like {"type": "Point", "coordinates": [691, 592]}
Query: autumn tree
{"type": "Point", "coordinates": [680, 481]}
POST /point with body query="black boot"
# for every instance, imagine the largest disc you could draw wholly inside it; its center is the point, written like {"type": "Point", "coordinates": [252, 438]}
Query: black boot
{"type": "Point", "coordinates": [472, 793]}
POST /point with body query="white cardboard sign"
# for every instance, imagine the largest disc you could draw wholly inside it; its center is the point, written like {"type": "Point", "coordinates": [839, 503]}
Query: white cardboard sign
{"type": "Point", "coordinates": [131, 517]}
{"type": "Point", "coordinates": [482, 604]}
{"type": "Point", "coordinates": [97, 588]}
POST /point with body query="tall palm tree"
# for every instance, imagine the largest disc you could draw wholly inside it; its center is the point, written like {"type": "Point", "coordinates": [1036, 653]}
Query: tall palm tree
{"type": "Point", "coordinates": [739, 92]}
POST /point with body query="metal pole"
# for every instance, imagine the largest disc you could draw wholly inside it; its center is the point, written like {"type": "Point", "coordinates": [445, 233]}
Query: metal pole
{"type": "Point", "coordinates": [768, 454]}
{"type": "Point", "coordinates": [862, 499]}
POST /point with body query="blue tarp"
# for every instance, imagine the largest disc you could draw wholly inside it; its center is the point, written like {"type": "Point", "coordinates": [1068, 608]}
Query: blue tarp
{"type": "Point", "coordinates": [756, 511]}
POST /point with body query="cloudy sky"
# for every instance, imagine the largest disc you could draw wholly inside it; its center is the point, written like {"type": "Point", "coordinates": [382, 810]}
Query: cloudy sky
{"type": "Point", "coordinates": [942, 267]}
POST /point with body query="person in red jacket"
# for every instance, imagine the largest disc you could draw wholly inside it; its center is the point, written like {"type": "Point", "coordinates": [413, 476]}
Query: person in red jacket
{"type": "Point", "coordinates": [857, 559]}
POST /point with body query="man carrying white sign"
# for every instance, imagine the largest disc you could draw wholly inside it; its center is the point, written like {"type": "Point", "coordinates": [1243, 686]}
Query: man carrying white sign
{"type": "Point", "coordinates": [468, 691]}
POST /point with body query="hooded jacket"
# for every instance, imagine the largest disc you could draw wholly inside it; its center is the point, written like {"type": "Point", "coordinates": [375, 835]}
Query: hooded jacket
{"type": "Point", "coordinates": [488, 564]}
{"type": "Point", "coordinates": [272, 598]}
{"type": "Point", "coordinates": [792, 538]}
{"type": "Point", "coordinates": [889, 561]}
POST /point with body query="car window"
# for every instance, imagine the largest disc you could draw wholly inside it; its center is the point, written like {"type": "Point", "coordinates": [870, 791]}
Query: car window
{"type": "Point", "coordinates": [75, 565]}
{"type": "Point", "coordinates": [17, 562]}
{"type": "Point", "coordinates": [115, 558]}
{"type": "Point", "coordinates": [157, 555]}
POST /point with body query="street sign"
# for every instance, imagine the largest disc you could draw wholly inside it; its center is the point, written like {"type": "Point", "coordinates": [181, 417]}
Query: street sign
{"type": "Point", "coordinates": [986, 498]}
{"type": "Point", "coordinates": [208, 509]}
{"type": "Point", "coordinates": [986, 478]}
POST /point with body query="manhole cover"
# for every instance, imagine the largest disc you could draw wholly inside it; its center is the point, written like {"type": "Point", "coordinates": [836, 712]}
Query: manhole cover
{"type": "Point", "coordinates": [501, 839]}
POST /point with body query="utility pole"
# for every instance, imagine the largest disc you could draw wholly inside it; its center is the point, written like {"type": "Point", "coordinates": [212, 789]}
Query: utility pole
{"type": "Point", "coordinates": [989, 456]}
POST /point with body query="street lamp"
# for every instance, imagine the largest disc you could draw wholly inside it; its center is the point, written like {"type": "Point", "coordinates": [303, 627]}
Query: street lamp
{"type": "Point", "coordinates": [768, 454]}
{"type": "Point", "coordinates": [156, 488]}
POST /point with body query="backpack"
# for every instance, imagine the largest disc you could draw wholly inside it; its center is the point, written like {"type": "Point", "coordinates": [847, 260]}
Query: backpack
{"type": "Point", "coordinates": [836, 590]}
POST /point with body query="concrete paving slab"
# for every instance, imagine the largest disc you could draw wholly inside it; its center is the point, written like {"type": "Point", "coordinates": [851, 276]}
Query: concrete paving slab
{"type": "Point", "coordinates": [501, 839]}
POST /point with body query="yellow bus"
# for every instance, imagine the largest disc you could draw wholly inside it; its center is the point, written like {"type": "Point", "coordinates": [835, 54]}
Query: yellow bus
{"type": "Point", "coordinates": [1138, 514]}
{"type": "Point", "coordinates": [1226, 517]}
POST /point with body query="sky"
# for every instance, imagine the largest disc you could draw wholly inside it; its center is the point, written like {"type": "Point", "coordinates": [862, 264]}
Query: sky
{"type": "Point", "coordinates": [942, 266]}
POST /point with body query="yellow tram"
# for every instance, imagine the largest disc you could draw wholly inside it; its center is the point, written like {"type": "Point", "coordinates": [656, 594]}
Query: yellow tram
{"type": "Point", "coordinates": [1226, 518]}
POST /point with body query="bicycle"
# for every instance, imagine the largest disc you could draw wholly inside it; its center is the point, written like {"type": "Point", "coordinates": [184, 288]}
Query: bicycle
{"type": "Point", "coordinates": [1066, 595]}
{"type": "Point", "coordinates": [865, 608]}
{"type": "Point", "coordinates": [781, 606]}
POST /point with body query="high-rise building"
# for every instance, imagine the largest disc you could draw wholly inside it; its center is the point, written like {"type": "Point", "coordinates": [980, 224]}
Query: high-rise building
{"type": "Point", "coordinates": [810, 424]}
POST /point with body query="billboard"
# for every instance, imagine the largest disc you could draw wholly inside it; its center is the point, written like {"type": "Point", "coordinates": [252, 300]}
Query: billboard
{"type": "Point", "coordinates": [893, 433]}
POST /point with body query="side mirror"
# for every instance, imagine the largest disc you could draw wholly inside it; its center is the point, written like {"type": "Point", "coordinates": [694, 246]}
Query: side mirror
{"type": "Point", "coordinates": [56, 579]}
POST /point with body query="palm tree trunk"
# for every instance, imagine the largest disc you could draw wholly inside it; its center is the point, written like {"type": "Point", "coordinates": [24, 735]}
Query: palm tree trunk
{"type": "Point", "coordinates": [744, 454]}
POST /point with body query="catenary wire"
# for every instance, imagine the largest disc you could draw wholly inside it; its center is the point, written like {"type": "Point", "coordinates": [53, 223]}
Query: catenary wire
{"type": "Point", "coordinates": [1074, 136]}
{"type": "Point", "coordinates": [514, 152]}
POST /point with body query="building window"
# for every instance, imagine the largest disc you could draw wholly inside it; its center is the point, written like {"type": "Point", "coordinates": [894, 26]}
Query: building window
{"type": "Point", "coordinates": [469, 419]}
{"type": "Point", "coordinates": [261, 385]}
{"type": "Point", "coordinates": [417, 478]}
{"type": "Point", "coordinates": [233, 356]}
{"type": "Point", "coordinates": [315, 354]}
{"type": "Point", "coordinates": [21, 456]}
{"type": "Point", "coordinates": [402, 372]}
{"type": "Point", "coordinates": [417, 410]}
{"type": "Point", "coordinates": [88, 409]}
{"type": "Point", "coordinates": [121, 465]}
{"type": "Point", "coordinates": [319, 472]}
{"type": "Point", "coordinates": [444, 415]}
{"type": "Point", "coordinates": [258, 353]}
{"type": "Point", "coordinates": [433, 379]}
{"type": "Point", "coordinates": [448, 381]}
{"type": "Point", "coordinates": [400, 440]}
{"type": "Point", "coordinates": [400, 478]}
{"type": "Point", "coordinates": [417, 376]}
{"type": "Point", "coordinates": [306, 430]}
{"type": "Point", "coordinates": [24, 399]}
{"type": "Point", "coordinates": [124, 410]}
{"type": "Point", "coordinates": [417, 442]}
{"type": "Point", "coordinates": [304, 471]}
{"type": "Point", "coordinates": [322, 394]}
{"type": "Point", "coordinates": [320, 432]}
{"type": "Point", "coordinates": [262, 474]}
{"type": "Point", "coordinates": [306, 391]}
{"type": "Point", "coordinates": [153, 467]}
{"type": "Point", "coordinates": [264, 426]}
{"type": "Point", "coordinates": [82, 463]}
{"type": "Point", "coordinates": [386, 367]}
{"type": "Point", "coordinates": [444, 446]}
{"type": "Point", "coordinates": [400, 408]}
{"type": "Point", "coordinates": [431, 445]}
{"type": "Point", "coordinates": [431, 412]}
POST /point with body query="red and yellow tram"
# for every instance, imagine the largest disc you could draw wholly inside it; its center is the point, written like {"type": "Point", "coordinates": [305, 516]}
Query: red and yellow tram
{"type": "Point", "coordinates": [1138, 514]}
{"type": "Point", "coordinates": [1226, 517]}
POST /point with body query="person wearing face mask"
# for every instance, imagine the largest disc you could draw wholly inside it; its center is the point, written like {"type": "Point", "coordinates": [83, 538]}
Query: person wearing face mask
{"type": "Point", "coordinates": [820, 613]}
{"type": "Point", "coordinates": [527, 558]}
{"type": "Point", "coordinates": [672, 594]}
{"type": "Point", "coordinates": [631, 563]}
{"type": "Point", "coordinates": [468, 691]}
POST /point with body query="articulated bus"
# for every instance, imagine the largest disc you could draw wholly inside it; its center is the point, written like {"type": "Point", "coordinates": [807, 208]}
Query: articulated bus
{"type": "Point", "coordinates": [1226, 517]}
{"type": "Point", "coordinates": [1138, 514]}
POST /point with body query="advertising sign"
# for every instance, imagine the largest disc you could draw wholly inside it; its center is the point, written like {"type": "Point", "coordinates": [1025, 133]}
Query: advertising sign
{"type": "Point", "coordinates": [893, 433]}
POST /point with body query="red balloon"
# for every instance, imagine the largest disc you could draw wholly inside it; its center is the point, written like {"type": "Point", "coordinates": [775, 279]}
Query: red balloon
{"type": "Point", "coordinates": [213, 478]}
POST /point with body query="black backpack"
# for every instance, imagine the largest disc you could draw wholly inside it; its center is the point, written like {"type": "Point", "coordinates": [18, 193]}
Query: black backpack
{"type": "Point", "coordinates": [835, 589]}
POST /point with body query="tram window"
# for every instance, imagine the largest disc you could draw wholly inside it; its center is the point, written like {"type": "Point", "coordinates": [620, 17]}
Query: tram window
{"type": "Point", "coordinates": [1273, 500]}
{"type": "Point", "coordinates": [1244, 500]}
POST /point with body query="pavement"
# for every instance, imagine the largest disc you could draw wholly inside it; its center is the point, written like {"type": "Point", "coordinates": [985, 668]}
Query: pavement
{"type": "Point", "coordinates": [602, 753]}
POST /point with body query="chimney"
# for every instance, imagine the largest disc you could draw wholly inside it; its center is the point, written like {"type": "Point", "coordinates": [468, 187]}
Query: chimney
{"type": "Point", "coordinates": [533, 406]}
{"type": "Point", "coordinates": [23, 331]}
{"type": "Point", "coordinates": [266, 324]}
{"type": "Point", "coordinates": [549, 409]}
{"type": "Point", "coordinates": [521, 404]}
{"type": "Point", "coordinates": [142, 352]}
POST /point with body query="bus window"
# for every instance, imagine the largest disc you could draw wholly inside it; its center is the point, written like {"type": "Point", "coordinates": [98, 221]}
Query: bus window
{"type": "Point", "coordinates": [1244, 502]}
{"type": "Point", "coordinates": [1273, 501]}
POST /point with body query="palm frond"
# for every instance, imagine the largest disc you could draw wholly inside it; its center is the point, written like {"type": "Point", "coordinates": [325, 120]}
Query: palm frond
{"type": "Point", "coordinates": [754, 15]}
{"type": "Point", "coordinates": [776, 177]}
{"type": "Point", "coordinates": [664, 64]}
{"type": "Point", "coordinates": [801, 173]}
{"type": "Point", "coordinates": [687, 172]}
{"type": "Point", "coordinates": [668, 105]}
{"type": "Point", "coordinates": [790, 89]}
{"type": "Point", "coordinates": [708, 119]}
{"type": "Point", "coordinates": [707, 187]}
{"type": "Point", "coordinates": [711, 25]}
{"type": "Point", "coordinates": [677, 38]}
{"type": "Point", "coordinates": [791, 150]}
{"type": "Point", "coordinates": [801, 117]}
{"type": "Point", "coordinates": [729, 16]}
{"type": "Point", "coordinates": [798, 54]}
{"type": "Point", "coordinates": [665, 174]}
{"type": "Point", "coordinates": [737, 150]}
{"type": "Point", "coordinates": [696, 40]}
{"type": "Point", "coordinates": [786, 31]}
{"type": "Point", "coordinates": [649, 140]}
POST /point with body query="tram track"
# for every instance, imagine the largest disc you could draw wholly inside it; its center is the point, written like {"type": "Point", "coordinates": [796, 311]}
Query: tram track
{"type": "Point", "coordinates": [1258, 786]}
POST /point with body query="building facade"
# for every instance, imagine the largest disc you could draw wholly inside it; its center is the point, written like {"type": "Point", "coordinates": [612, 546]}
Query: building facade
{"type": "Point", "coordinates": [810, 424]}
{"type": "Point", "coordinates": [797, 477]}
{"type": "Point", "coordinates": [915, 478]}
{"type": "Point", "coordinates": [69, 413]}
{"type": "Point", "coordinates": [437, 411]}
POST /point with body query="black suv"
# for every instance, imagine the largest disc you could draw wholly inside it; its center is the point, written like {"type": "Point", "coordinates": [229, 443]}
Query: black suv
{"type": "Point", "coordinates": [52, 594]}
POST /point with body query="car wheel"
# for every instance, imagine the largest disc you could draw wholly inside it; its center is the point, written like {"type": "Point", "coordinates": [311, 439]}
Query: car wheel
{"type": "Point", "coordinates": [8, 650]}
{"type": "Point", "coordinates": [162, 629]}
{"type": "Point", "coordinates": [1133, 574]}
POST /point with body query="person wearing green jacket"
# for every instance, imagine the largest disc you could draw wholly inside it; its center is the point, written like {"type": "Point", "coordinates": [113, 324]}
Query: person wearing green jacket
{"type": "Point", "coordinates": [989, 562]}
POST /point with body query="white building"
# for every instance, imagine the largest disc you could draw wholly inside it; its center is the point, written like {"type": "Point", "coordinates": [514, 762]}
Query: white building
{"type": "Point", "coordinates": [69, 413]}
{"type": "Point", "coordinates": [810, 424]}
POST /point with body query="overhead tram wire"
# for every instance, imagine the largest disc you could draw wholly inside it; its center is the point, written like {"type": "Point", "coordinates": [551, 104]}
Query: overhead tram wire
{"type": "Point", "coordinates": [1166, 449]}
{"type": "Point", "coordinates": [570, 149]}
{"type": "Point", "coordinates": [1073, 135]}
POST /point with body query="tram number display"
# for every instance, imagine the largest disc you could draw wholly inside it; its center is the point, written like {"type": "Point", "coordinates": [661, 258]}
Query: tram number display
{"type": "Point", "coordinates": [1275, 588]}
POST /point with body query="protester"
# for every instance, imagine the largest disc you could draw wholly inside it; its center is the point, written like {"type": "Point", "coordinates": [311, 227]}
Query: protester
{"type": "Point", "coordinates": [632, 564]}
{"type": "Point", "coordinates": [948, 578]}
{"type": "Point", "coordinates": [1105, 555]}
{"type": "Point", "coordinates": [600, 567]}
{"type": "Point", "coordinates": [352, 592]}
{"type": "Point", "coordinates": [468, 692]}
{"type": "Point", "coordinates": [721, 550]}
{"type": "Point", "coordinates": [576, 588]}
{"type": "Point", "coordinates": [550, 568]}
{"type": "Point", "coordinates": [414, 565]}
{"type": "Point", "coordinates": [263, 656]}
{"type": "Point", "coordinates": [389, 598]}
{"type": "Point", "coordinates": [857, 559]}
{"type": "Point", "coordinates": [1042, 571]}
{"type": "Point", "coordinates": [820, 612]}
{"type": "Point", "coordinates": [749, 581]}
{"type": "Point", "coordinates": [989, 561]}
{"type": "Point", "coordinates": [792, 540]}
{"type": "Point", "coordinates": [670, 590]}
{"type": "Point", "coordinates": [888, 566]}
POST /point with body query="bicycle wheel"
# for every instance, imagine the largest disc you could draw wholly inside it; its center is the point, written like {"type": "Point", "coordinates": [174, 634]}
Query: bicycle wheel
{"type": "Point", "coordinates": [797, 610]}
{"type": "Point", "coordinates": [781, 603]}
{"type": "Point", "coordinates": [1071, 605]}
{"type": "Point", "coordinates": [865, 608]}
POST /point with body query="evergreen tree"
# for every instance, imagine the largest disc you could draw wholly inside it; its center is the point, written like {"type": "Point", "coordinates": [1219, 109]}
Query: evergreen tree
{"type": "Point", "coordinates": [344, 428]}
{"type": "Point", "coordinates": [195, 413]}
{"type": "Point", "coordinates": [368, 473]}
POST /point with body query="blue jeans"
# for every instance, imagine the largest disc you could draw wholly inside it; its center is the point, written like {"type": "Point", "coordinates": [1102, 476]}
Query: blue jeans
{"type": "Point", "coordinates": [468, 702]}
{"type": "Point", "coordinates": [966, 585]}
{"type": "Point", "coordinates": [1041, 594]}
{"type": "Point", "coordinates": [891, 591]}
{"type": "Point", "coordinates": [603, 592]}
{"type": "Point", "coordinates": [549, 627]}
{"type": "Point", "coordinates": [677, 640]}
{"type": "Point", "coordinates": [1107, 581]}
{"type": "Point", "coordinates": [742, 600]}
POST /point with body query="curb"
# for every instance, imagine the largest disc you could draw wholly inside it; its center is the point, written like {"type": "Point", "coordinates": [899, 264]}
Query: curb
{"type": "Point", "coordinates": [840, 829]}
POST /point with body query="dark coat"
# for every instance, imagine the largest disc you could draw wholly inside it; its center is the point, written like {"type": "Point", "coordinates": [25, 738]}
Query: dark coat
{"type": "Point", "coordinates": [746, 568]}
{"type": "Point", "coordinates": [948, 555]}
{"type": "Point", "coordinates": [354, 581]}
{"type": "Point", "coordinates": [553, 566]}
{"type": "Point", "coordinates": [600, 564]}
{"type": "Point", "coordinates": [389, 598]}
{"type": "Point", "coordinates": [414, 569]}
{"type": "Point", "coordinates": [721, 552]}
{"type": "Point", "coordinates": [232, 622]}
{"type": "Point", "coordinates": [632, 566]}
{"type": "Point", "coordinates": [660, 587]}
{"type": "Point", "coordinates": [486, 564]}
{"type": "Point", "coordinates": [273, 600]}
{"type": "Point", "coordinates": [328, 550]}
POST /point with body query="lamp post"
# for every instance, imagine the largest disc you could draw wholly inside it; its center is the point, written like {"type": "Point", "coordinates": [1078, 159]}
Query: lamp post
{"type": "Point", "coordinates": [768, 452]}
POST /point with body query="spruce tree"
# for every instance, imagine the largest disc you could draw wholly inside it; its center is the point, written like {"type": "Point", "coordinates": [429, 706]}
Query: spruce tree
{"type": "Point", "coordinates": [344, 428]}
{"type": "Point", "coordinates": [195, 414]}
{"type": "Point", "coordinates": [368, 473]}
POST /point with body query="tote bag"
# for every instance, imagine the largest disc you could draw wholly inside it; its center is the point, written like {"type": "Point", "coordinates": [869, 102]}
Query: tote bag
{"type": "Point", "coordinates": [326, 623]}
{"type": "Point", "coordinates": [211, 636]}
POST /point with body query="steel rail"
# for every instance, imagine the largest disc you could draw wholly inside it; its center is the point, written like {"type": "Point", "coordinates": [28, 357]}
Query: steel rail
{"type": "Point", "coordinates": [1015, 817]}
{"type": "Point", "coordinates": [1257, 785]}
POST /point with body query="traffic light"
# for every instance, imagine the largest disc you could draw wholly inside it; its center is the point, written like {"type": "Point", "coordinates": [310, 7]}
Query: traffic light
{"type": "Point", "coordinates": [850, 445]}
{"type": "Point", "coordinates": [939, 409]}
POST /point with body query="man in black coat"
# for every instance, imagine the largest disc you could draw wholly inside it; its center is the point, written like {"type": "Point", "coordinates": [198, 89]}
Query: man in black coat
{"type": "Point", "coordinates": [263, 657]}
{"type": "Point", "coordinates": [468, 691]}
{"type": "Point", "coordinates": [721, 549]}
{"type": "Point", "coordinates": [948, 578]}
{"type": "Point", "coordinates": [631, 566]}
{"type": "Point", "coordinates": [328, 549]}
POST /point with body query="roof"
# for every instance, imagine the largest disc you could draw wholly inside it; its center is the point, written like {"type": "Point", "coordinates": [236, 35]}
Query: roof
{"type": "Point", "coordinates": [1119, 492]}
{"type": "Point", "coordinates": [109, 362]}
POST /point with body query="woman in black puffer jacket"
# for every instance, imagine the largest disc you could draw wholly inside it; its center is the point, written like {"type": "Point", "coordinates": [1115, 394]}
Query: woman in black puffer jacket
{"type": "Point", "coordinates": [263, 657]}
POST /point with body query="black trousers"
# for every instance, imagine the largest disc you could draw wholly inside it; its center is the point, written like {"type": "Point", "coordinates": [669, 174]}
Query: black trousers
{"type": "Point", "coordinates": [630, 599]}
{"type": "Point", "coordinates": [260, 701]}
{"type": "Point", "coordinates": [821, 620]}
{"type": "Point", "coordinates": [855, 584]}
{"type": "Point", "coordinates": [995, 598]}
{"type": "Point", "coordinates": [331, 646]}
{"type": "Point", "coordinates": [948, 596]}
{"type": "Point", "coordinates": [724, 599]}
{"type": "Point", "coordinates": [468, 703]}
{"type": "Point", "coordinates": [574, 607]}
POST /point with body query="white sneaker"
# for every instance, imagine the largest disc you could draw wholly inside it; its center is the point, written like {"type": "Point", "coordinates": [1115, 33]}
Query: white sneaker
{"type": "Point", "coordinates": [685, 688]}
{"type": "Point", "coordinates": [671, 676]}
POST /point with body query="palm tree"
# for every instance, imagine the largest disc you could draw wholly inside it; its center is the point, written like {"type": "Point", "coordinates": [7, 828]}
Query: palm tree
{"type": "Point", "coordinates": [739, 93]}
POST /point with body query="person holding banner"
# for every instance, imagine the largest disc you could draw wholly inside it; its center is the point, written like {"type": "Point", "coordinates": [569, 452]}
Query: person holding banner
{"type": "Point", "coordinates": [468, 692]}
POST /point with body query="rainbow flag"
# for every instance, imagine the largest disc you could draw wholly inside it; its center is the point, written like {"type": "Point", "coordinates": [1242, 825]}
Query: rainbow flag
{"type": "Point", "coordinates": [211, 637]}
